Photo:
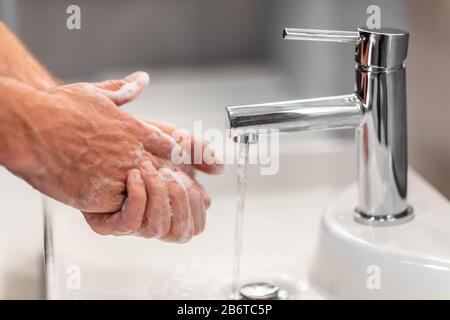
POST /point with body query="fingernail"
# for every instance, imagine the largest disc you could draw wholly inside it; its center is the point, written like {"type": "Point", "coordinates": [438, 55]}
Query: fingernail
{"type": "Point", "coordinates": [142, 78]}
{"type": "Point", "coordinates": [126, 91]}
{"type": "Point", "coordinates": [138, 76]}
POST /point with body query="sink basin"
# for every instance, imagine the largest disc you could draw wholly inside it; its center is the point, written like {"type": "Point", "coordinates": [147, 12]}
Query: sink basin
{"type": "Point", "coordinates": [281, 225]}
{"type": "Point", "coordinates": [295, 236]}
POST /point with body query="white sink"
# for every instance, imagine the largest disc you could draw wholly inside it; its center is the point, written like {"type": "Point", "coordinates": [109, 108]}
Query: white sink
{"type": "Point", "coordinates": [282, 220]}
{"type": "Point", "coordinates": [285, 242]}
{"type": "Point", "coordinates": [411, 261]}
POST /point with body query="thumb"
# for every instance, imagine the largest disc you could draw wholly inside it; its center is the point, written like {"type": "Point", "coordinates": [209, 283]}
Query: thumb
{"type": "Point", "coordinates": [124, 90]}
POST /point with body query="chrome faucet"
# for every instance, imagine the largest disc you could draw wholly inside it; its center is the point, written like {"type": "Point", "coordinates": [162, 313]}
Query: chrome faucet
{"type": "Point", "coordinates": [377, 111]}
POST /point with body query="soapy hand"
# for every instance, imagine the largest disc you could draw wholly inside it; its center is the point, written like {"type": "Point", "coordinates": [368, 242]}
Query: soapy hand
{"type": "Point", "coordinates": [84, 151]}
{"type": "Point", "coordinates": [173, 210]}
{"type": "Point", "coordinates": [73, 143]}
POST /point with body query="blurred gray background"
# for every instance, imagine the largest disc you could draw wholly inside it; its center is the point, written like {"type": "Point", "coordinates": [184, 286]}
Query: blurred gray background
{"type": "Point", "coordinates": [231, 39]}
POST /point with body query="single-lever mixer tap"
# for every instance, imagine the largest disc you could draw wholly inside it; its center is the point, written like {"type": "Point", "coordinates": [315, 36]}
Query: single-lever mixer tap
{"type": "Point", "coordinates": [377, 111]}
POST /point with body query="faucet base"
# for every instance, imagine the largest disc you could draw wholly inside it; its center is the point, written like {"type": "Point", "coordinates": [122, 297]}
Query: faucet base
{"type": "Point", "coordinates": [384, 220]}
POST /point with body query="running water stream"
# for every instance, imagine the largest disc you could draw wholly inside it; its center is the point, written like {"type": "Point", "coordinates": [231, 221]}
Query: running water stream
{"type": "Point", "coordinates": [242, 163]}
{"type": "Point", "coordinates": [260, 290]}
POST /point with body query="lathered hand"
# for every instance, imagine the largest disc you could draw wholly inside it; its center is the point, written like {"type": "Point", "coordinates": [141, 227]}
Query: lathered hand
{"type": "Point", "coordinates": [72, 143]}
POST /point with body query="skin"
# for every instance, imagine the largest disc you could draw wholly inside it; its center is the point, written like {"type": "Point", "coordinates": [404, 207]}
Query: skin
{"type": "Point", "coordinates": [74, 144]}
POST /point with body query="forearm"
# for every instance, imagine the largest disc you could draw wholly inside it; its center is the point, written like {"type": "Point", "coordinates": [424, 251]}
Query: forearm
{"type": "Point", "coordinates": [17, 101]}
{"type": "Point", "coordinates": [18, 63]}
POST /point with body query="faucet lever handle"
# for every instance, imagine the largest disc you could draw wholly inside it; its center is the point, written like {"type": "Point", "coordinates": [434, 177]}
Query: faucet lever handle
{"type": "Point", "coordinates": [321, 35]}
{"type": "Point", "coordinates": [384, 48]}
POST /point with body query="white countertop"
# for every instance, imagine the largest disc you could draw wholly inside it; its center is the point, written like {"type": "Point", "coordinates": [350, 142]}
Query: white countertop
{"type": "Point", "coordinates": [21, 239]}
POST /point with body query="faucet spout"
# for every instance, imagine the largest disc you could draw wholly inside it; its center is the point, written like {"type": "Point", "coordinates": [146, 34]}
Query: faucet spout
{"type": "Point", "coordinates": [326, 113]}
{"type": "Point", "coordinates": [376, 110]}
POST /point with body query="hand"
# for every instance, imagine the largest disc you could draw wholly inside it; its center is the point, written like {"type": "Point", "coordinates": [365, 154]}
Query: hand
{"type": "Point", "coordinates": [82, 157]}
{"type": "Point", "coordinates": [29, 139]}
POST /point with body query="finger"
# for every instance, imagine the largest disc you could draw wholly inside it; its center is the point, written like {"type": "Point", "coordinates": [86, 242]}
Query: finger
{"type": "Point", "coordinates": [196, 203]}
{"type": "Point", "coordinates": [202, 156]}
{"type": "Point", "coordinates": [181, 227]}
{"type": "Point", "coordinates": [156, 222]}
{"type": "Point", "coordinates": [205, 196]}
{"type": "Point", "coordinates": [189, 170]}
{"type": "Point", "coordinates": [155, 140]}
{"type": "Point", "coordinates": [129, 218]}
{"type": "Point", "coordinates": [163, 163]}
{"type": "Point", "coordinates": [124, 90]}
